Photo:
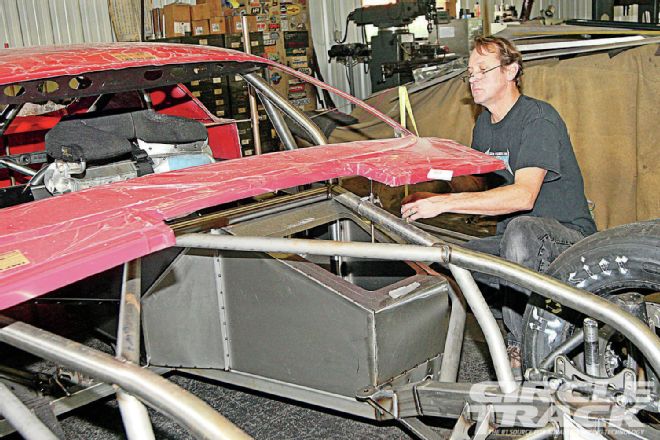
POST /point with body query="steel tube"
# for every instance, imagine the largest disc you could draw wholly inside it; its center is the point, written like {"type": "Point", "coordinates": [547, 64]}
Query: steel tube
{"type": "Point", "coordinates": [451, 356]}
{"type": "Point", "coordinates": [21, 418]}
{"type": "Point", "coordinates": [548, 431]}
{"type": "Point", "coordinates": [564, 348]}
{"type": "Point", "coordinates": [159, 393]}
{"type": "Point", "coordinates": [591, 305]}
{"type": "Point", "coordinates": [8, 114]}
{"type": "Point", "coordinates": [489, 327]}
{"type": "Point", "coordinates": [254, 111]}
{"type": "Point", "coordinates": [382, 251]}
{"type": "Point", "coordinates": [16, 167]}
{"type": "Point", "coordinates": [590, 342]}
{"type": "Point", "coordinates": [134, 415]}
{"type": "Point", "coordinates": [383, 218]}
{"type": "Point", "coordinates": [128, 330]}
{"type": "Point", "coordinates": [285, 106]}
{"type": "Point", "coordinates": [278, 122]}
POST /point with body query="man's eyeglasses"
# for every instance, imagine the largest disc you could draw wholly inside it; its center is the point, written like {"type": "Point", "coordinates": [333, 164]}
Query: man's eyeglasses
{"type": "Point", "coordinates": [478, 74]}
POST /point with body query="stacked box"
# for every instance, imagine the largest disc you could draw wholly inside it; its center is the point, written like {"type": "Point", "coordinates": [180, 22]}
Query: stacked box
{"type": "Point", "coordinates": [213, 93]}
{"type": "Point", "coordinates": [267, 134]}
{"type": "Point", "coordinates": [235, 41]}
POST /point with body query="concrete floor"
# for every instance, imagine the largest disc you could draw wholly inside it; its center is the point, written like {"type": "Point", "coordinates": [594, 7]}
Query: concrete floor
{"type": "Point", "coordinates": [268, 418]}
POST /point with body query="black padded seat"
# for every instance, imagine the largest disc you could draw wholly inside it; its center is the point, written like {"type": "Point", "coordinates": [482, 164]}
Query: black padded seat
{"type": "Point", "coordinates": [96, 138]}
{"type": "Point", "coordinates": [157, 128]}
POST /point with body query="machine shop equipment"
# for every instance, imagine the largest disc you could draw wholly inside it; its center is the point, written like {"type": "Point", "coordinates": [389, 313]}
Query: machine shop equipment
{"type": "Point", "coordinates": [393, 51]}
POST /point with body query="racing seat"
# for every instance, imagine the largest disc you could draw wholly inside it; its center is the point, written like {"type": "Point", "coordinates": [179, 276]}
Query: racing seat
{"type": "Point", "coordinates": [91, 150]}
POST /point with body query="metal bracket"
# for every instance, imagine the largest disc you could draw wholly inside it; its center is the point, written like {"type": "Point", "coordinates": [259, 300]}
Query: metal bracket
{"type": "Point", "coordinates": [383, 400]}
{"type": "Point", "coordinates": [625, 381]}
{"type": "Point", "coordinates": [463, 424]}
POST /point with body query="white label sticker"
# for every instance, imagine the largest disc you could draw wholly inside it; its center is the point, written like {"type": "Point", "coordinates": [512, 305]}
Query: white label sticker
{"type": "Point", "coordinates": [440, 174]}
{"type": "Point", "coordinates": [403, 290]}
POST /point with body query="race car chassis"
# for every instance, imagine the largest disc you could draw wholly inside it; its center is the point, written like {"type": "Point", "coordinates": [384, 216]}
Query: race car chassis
{"type": "Point", "coordinates": [407, 349]}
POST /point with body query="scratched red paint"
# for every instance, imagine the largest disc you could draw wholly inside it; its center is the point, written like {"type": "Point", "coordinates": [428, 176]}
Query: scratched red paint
{"type": "Point", "coordinates": [70, 237]}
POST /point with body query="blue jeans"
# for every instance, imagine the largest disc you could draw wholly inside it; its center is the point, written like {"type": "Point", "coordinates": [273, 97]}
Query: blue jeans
{"type": "Point", "coordinates": [533, 242]}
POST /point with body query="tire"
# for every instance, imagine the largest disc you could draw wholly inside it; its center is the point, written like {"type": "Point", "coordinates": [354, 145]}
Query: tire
{"type": "Point", "coordinates": [625, 258]}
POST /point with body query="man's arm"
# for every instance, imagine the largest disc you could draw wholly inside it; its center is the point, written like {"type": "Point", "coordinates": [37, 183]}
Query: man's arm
{"type": "Point", "coordinates": [519, 196]}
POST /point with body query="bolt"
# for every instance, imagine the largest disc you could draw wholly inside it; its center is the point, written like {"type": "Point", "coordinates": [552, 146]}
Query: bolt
{"type": "Point", "coordinates": [621, 400]}
{"type": "Point", "coordinates": [555, 383]}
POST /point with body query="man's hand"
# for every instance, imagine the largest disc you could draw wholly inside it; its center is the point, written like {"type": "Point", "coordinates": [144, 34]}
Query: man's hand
{"type": "Point", "coordinates": [427, 206]}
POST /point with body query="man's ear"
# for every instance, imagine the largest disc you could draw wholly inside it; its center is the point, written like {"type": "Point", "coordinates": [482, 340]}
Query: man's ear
{"type": "Point", "coordinates": [511, 71]}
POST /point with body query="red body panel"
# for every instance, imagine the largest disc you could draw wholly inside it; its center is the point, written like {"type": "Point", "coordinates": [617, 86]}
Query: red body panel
{"type": "Point", "coordinates": [42, 62]}
{"type": "Point", "coordinates": [57, 241]}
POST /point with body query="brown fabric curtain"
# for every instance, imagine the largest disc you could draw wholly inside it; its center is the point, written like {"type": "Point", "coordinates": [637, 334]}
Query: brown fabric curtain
{"type": "Point", "coordinates": [610, 105]}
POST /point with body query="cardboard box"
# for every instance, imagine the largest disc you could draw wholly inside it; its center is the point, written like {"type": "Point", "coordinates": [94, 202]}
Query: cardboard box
{"type": "Point", "coordinates": [200, 27]}
{"type": "Point", "coordinates": [200, 11]}
{"type": "Point", "coordinates": [236, 26]}
{"type": "Point", "coordinates": [215, 7]}
{"type": "Point", "coordinates": [177, 19]}
{"type": "Point", "coordinates": [218, 25]}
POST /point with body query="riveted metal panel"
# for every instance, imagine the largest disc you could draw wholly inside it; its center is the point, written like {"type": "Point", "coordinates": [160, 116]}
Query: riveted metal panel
{"type": "Point", "coordinates": [10, 27]}
{"type": "Point", "coordinates": [35, 22]}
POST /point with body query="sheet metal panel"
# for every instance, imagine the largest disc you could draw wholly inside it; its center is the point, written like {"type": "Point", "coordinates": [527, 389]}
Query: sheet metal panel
{"type": "Point", "coordinates": [10, 26]}
{"type": "Point", "coordinates": [36, 24]}
{"type": "Point", "coordinates": [93, 230]}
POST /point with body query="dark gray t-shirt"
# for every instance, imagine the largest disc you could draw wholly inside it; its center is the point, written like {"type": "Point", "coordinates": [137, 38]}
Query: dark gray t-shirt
{"type": "Point", "coordinates": [533, 134]}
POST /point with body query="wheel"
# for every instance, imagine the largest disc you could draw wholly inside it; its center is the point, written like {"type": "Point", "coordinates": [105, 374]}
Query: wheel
{"type": "Point", "coordinates": [619, 260]}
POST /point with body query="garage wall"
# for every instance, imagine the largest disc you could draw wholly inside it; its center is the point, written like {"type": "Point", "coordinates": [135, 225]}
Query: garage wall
{"type": "Point", "coordinates": [41, 22]}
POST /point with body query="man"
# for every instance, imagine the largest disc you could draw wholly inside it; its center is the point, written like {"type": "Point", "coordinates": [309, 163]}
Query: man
{"type": "Point", "coordinates": [541, 201]}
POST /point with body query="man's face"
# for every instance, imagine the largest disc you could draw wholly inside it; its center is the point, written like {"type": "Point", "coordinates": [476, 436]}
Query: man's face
{"type": "Point", "coordinates": [487, 85]}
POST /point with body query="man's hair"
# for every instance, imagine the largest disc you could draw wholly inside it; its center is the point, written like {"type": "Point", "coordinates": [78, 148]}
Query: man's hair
{"type": "Point", "coordinates": [505, 50]}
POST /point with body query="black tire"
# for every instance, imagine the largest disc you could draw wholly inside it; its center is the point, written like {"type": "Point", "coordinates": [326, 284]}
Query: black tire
{"type": "Point", "coordinates": [625, 258]}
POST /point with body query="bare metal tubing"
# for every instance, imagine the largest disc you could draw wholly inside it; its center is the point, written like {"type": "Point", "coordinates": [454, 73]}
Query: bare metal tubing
{"type": "Point", "coordinates": [278, 122]}
{"type": "Point", "coordinates": [21, 418]}
{"type": "Point", "coordinates": [135, 417]}
{"type": "Point", "coordinates": [591, 305]}
{"type": "Point", "coordinates": [453, 344]}
{"type": "Point", "coordinates": [159, 393]}
{"type": "Point", "coordinates": [16, 167]}
{"type": "Point", "coordinates": [564, 348]}
{"type": "Point", "coordinates": [254, 111]}
{"type": "Point", "coordinates": [285, 106]}
{"type": "Point", "coordinates": [489, 326]}
{"type": "Point", "coordinates": [383, 251]}
{"type": "Point", "coordinates": [8, 114]}
{"type": "Point", "coordinates": [548, 431]}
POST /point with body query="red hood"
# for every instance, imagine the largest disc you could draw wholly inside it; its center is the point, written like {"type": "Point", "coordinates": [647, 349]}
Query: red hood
{"type": "Point", "coordinates": [50, 243]}
{"type": "Point", "coordinates": [42, 62]}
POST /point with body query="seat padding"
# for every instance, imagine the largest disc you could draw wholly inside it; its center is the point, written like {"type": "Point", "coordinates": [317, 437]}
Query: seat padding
{"type": "Point", "coordinates": [95, 138]}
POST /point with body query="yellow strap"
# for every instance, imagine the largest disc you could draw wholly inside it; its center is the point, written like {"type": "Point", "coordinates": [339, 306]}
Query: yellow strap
{"type": "Point", "coordinates": [405, 109]}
